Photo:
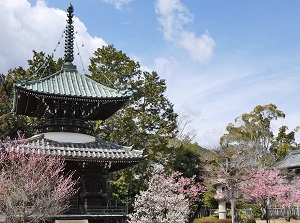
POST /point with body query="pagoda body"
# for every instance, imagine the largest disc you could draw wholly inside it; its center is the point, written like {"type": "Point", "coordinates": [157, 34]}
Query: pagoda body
{"type": "Point", "coordinates": [66, 102]}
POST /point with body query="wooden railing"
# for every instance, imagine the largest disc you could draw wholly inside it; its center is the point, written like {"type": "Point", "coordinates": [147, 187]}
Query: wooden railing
{"type": "Point", "coordinates": [109, 210]}
{"type": "Point", "coordinates": [204, 211]}
{"type": "Point", "coordinates": [293, 212]}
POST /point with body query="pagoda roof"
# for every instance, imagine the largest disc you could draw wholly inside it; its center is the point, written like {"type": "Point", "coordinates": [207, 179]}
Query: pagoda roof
{"type": "Point", "coordinates": [95, 151]}
{"type": "Point", "coordinates": [291, 161]}
{"type": "Point", "coordinates": [67, 93]}
{"type": "Point", "coordinates": [70, 83]}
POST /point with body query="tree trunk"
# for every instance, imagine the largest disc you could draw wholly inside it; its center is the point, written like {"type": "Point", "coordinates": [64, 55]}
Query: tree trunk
{"type": "Point", "coordinates": [267, 215]}
{"type": "Point", "coordinates": [233, 214]}
{"type": "Point", "coordinates": [196, 213]}
{"type": "Point", "coordinates": [287, 213]}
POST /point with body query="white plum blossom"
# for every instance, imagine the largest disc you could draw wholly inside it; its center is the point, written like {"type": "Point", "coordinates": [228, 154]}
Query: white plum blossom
{"type": "Point", "coordinates": [167, 199]}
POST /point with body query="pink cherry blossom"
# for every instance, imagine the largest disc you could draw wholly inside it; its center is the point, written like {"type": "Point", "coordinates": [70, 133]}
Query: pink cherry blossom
{"type": "Point", "coordinates": [33, 187]}
{"type": "Point", "coordinates": [268, 187]}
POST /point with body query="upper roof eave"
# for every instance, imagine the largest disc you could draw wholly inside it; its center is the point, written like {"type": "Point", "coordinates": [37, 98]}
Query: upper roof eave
{"type": "Point", "coordinates": [70, 83]}
{"type": "Point", "coordinates": [73, 98]}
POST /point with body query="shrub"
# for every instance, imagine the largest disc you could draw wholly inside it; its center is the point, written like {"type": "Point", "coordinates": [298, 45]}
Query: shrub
{"type": "Point", "coordinates": [251, 220]}
{"type": "Point", "coordinates": [205, 219]}
{"type": "Point", "coordinates": [221, 221]}
{"type": "Point", "coordinates": [243, 218]}
{"type": "Point", "coordinates": [209, 200]}
{"type": "Point", "coordinates": [211, 219]}
{"type": "Point", "coordinates": [256, 209]}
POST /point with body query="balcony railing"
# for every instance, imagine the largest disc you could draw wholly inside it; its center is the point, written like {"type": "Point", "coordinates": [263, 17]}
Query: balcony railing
{"type": "Point", "coordinates": [109, 210]}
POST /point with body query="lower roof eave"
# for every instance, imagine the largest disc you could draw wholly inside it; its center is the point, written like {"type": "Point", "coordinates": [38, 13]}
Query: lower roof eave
{"type": "Point", "coordinates": [89, 216]}
{"type": "Point", "coordinates": [83, 159]}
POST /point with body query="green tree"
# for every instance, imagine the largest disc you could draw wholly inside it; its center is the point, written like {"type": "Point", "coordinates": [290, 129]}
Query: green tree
{"type": "Point", "coordinates": [147, 121]}
{"type": "Point", "coordinates": [284, 142]}
{"type": "Point", "coordinates": [188, 162]}
{"type": "Point", "coordinates": [39, 66]}
{"type": "Point", "coordinates": [10, 124]}
{"type": "Point", "coordinates": [184, 154]}
{"type": "Point", "coordinates": [42, 65]}
{"type": "Point", "coordinates": [253, 133]}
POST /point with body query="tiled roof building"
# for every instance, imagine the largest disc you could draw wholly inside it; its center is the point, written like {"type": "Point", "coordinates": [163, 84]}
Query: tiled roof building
{"type": "Point", "coordinates": [291, 161]}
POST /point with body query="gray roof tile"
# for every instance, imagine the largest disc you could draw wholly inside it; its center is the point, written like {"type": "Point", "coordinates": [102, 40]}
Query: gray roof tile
{"type": "Point", "coordinates": [292, 160]}
{"type": "Point", "coordinates": [97, 151]}
{"type": "Point", "coordinates": [69, 82]}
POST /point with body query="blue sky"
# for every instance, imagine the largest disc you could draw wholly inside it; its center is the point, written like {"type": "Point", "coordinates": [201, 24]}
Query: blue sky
{"type": "Point", "coordinates": [219, 58]}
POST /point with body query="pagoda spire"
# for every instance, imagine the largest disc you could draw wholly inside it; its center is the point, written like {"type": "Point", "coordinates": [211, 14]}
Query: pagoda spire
{"type": "Point", "coordinates": [69, 36]}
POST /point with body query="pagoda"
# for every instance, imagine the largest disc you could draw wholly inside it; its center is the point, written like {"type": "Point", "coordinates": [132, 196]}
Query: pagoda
{"type": "Point", "coordinates": [66, 102]}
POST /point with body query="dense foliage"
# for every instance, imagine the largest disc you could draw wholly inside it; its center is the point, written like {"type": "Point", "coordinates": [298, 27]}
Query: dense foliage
{"type": "Point", "coordinates": [148, 121]}
{"type": "Point", "coordinates": [253, 133]}
{"type": "Point", "coordinates": [10, 124]}
{"type": "Point", "coordinates": [211, 219]}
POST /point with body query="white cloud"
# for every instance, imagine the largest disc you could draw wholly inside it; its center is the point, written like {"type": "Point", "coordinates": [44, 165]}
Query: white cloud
{"type": "Point", "coordinates": [214, 95]}
{"type": "Point", "coordinates": [173, 17]}
{"type": "Point", "coordinates": [26, 27]}
{"type": "Point", "coordinates": [119, 4]}
{"type": "Point", "coordinates": [200, 48]}
{"type": "Point", "coordinates": [163, 67]}
{"type": "Point", "coordinates": [86, 44]}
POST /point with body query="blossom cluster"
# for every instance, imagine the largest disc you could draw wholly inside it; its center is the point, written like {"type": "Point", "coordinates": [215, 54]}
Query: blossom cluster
{"type": "Point", "coordinates": [167, 199]}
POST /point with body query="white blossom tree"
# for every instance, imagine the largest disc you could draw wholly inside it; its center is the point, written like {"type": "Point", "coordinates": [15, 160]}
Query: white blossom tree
{"type": "Point", "coordinates": [167, 199]}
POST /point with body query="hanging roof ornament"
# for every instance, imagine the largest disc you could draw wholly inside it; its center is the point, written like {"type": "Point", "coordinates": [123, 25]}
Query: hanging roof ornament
{"type": "Point", "coordinates": [69, 37]}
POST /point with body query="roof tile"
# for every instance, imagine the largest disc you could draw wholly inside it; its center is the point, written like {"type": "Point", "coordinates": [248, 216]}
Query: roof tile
{"type": "Point", "coordinates": [68, 82]}
{"type": "Point", "coordinates": [97, 151]}
{"type": "Point", "coordinates": [292, 160]}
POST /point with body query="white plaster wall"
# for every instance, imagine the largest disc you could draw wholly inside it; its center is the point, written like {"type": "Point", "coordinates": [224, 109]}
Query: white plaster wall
{"type": "Point", "coordinates": [69, 137]}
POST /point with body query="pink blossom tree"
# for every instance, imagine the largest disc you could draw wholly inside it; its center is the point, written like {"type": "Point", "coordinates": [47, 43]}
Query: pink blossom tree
{"type": "Point", "coordinates": [167, 199]}
{"type": "Point", "coordinates": [266, 187]}
{"type": "Point", "coordinates": [290, 196]}
{"type": "Point", "coordinates": [33, 188]}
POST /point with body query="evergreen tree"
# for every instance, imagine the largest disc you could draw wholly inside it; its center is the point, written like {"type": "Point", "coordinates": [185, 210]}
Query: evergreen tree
{"type": "Point", "coordinates": [10, 124]}
{"type": "Point", "coordinates": [284, 142]}
{"type": "Point", "coordinates": [147, 121]}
